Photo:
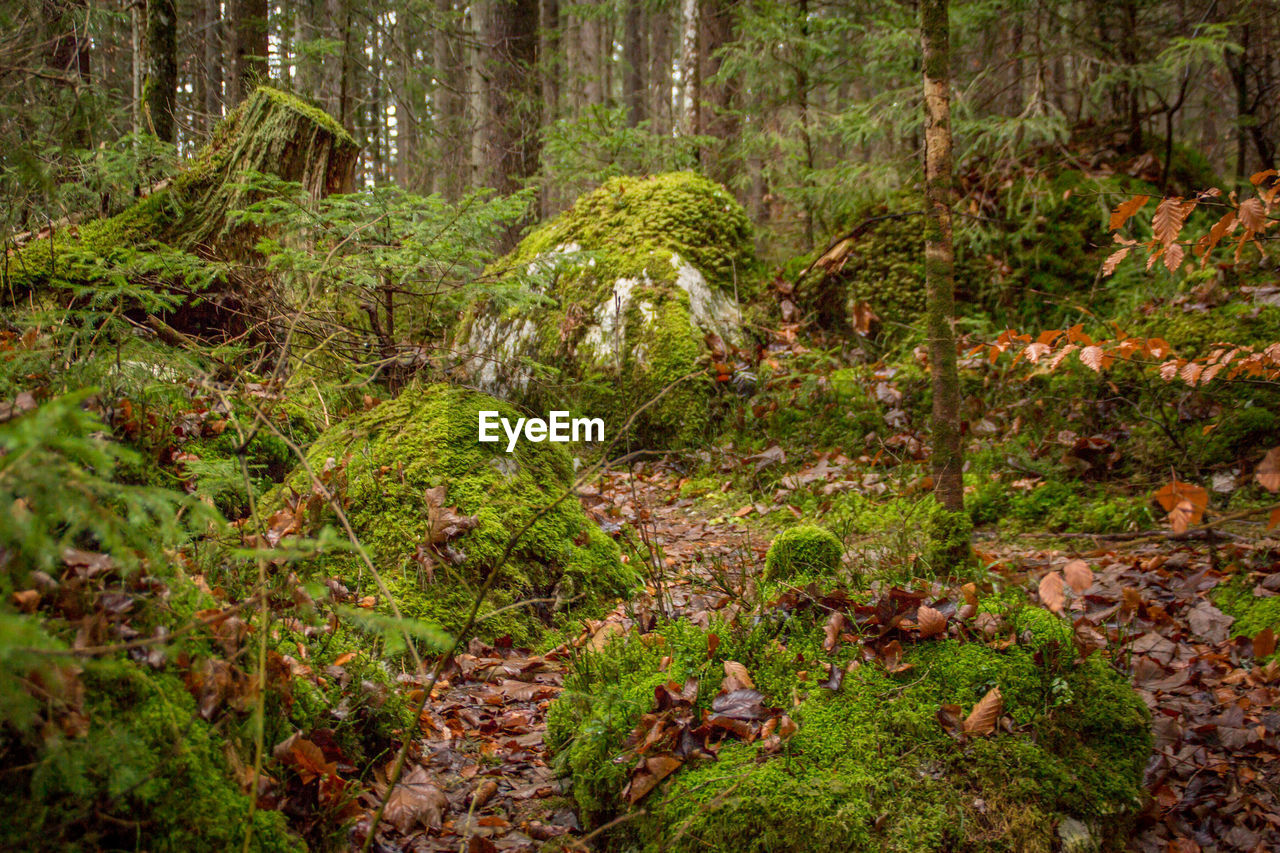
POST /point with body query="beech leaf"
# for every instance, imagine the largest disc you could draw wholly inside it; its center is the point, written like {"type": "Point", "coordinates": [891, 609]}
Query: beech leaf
{"type": "Point", "coordinates": [1078, 575]}
{"type": "Point", "coordinates": [984, 716]}
{"type": "Point", "coordinates": [1051, 591]}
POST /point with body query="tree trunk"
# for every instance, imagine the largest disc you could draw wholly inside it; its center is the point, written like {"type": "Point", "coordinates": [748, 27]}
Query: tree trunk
{"type": "Point", "coordinates": [213, 60]}
{"type": "Point", "coordinates": [162, 68]}
{"type": "Point", "coordinates": [659, 28]}
{"type": "Point", "coordinates": [450, 102]}
{"type": "Point", "coordinates": [939, 263]}
{"type": "Point", "coordinates": [717, 117]}
{"type": "Point", "coordinates": [136, 58]}
{"type": "Point", "coordinates": [690, 84]}
{"type": "Point", "coordinates": [249, 54]}
{"type": "Point", "coordinates": [511, 114]}
{"type": "Point", "coordinates": [633, 53]}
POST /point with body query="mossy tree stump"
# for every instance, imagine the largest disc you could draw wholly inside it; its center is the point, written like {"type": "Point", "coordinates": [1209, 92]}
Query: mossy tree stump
{"type": "Point", "coordinates": [270, 133]}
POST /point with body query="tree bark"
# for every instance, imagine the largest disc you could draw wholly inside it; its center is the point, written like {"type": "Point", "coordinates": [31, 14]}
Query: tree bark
{"type": "Point", "coordinates": [511, 91]}
{"type": "Point", "coordinates": [213, 47]}
{"type": "Point", "coordinates": [659, 27]}
{"type": "Point", "coordinates": [162, 68]}
{"type": "Point", "coordinates": [249, 43]}
{"type": "Point", "coordinates": [690, 82]}
{"type": "Point", "coordinates": [947, 459]}
{"type": "Point", "coordinates": [633, 54]}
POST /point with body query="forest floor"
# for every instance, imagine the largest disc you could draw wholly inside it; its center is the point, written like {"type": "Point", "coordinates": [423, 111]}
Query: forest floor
{"type": "Point", "coordinates": [482, 778]}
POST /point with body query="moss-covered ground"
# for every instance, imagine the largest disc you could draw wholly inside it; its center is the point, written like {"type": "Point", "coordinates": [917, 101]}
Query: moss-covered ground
{"type": "Point", "coordinates": [869, 767]}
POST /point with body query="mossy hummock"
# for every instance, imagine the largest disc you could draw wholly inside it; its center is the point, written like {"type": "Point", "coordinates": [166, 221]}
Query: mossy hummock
{"type": "Point", "coordinates": [869, 768]}
{"type": "Point", "coordinates": [606, 306]}
{"type": "Point", "coordinates": [427, 438]}
{"type": "Point", "coordinates": [805, 550]}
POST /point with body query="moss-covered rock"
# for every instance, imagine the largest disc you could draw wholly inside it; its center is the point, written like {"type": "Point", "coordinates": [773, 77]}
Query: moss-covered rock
{"type": "Point", "coordinates": [869, 768]}
{"type": "Point", "coordinates": [427, 438]}
{"type": "Point", "coordinates": [607, 305]}
{"type": "Point", "coordinates": [804, 550]}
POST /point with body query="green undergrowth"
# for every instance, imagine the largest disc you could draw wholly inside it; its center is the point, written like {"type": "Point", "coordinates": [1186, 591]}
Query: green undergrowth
{"type": "Point", "coordinates": [427, 439]}
{"type": "Point", "coordinates": [870, 768]}
{"type": "Point", "coordinates": [149, 774]}
{"type": "Point", "coordinates": [1253, 613]}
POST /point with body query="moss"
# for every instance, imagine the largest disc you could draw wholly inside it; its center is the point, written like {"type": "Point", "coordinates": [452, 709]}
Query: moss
{"type": "Point", "coordinates": [428, 438]}
{"type": "Point", "coordinates": [804, 550]}
{"type": "Point", "coordinates": [1252, 613]}
{"type": "Point", "coordinates": [909, 537]}
{"type": "Point", "coordinates": [869, 767]}
{"type": "Point", "coordinates": [594, 312]}
{"type": "Point", "coordinates": [680, 211]}
{"type": "Point", "coordinates": [191, 211]}
{"type": "Point", "coordinates": [149, 774]}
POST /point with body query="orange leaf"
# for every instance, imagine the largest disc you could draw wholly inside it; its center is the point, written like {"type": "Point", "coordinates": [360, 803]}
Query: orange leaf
{"type": "Point", "coordinates": [1113, 260]}
{"type": "Point", "coordinates": [932, 622]}
{"type": "Point", "coordinates": [1274, 521]}
{"type": "Point", "coordinates": [982, 719]}
{"type": "Point", "coordinates": [1170, 216]}
{"type": "Point", "coordinates": [1268, 471]}
{"type": "Point", "coordinates": [1079, 576]}
{"type": "Point", "coordinates": [1051, 591]}
{"type": "Point", "coordinates": [1126, 209]}
{"type": "Point", "coordinates": [1253, 215]}
{"type": "Point", "coordinates": [1173, 496]}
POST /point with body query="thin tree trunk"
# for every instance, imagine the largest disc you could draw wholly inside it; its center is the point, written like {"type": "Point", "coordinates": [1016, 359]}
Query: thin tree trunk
{"type": "Point", "coordinates": [947, 457]}
{"type": "Point", "coordinates": [690, 84]}
{"type": "Point", "coordinates": [135, 34]}
{"type": "Point", "coordinates": [162, 68]}
{"type": "Point", "coordinates": [451, 82]}
{"type": "Point", "coordinates": [660, 71]}
{"type": "Point", "coordinates": [633, 53]}
{"type": "Point", "coordinates": [249, 54]}
{"type": "Point", "coordinates": [213, 60]}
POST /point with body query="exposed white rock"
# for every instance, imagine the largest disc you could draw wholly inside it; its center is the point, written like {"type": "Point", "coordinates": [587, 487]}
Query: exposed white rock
{"type": "Point", "coordinates": [496, 345]}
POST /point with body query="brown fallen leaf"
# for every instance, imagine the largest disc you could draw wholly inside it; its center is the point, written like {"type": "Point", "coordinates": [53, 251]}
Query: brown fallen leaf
{"type": "Point", "coordinates": [1264, 644]}
{"type": "Point", "coordinates": [416, 801]}
{"type": "Point", "coordinates": [1268, 471]}
{"type": "Point", "coordinates": [736, 677]}
{"type": "Point", "coordinates": [648, 773]}
{"type": "Point", "coordinates": [831, 631]}
{"type": "Point", "coordinates": [1078, 575]}
{"type": "Point", "coordinates": [1051, 591]}
{"type": "Point", "coordinates": [931, 622]}
{"type": "Point", "coordinates": [984, 716]}
{"type": "Point", "coordinates": [741, 705]}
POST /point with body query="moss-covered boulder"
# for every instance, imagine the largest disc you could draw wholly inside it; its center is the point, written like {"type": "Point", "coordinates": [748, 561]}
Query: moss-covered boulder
{"type": "Point", "coordinates": [804, 550]}
{"type": "Point", "coordinates": [414, 468]}
{"type": "Point", "coordinates": [870, 767]}
{"type": "Point", "coordinates": [602, 308]}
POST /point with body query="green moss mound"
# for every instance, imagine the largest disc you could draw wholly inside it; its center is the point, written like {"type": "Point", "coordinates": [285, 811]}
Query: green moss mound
{"type": "Point", "coordinates": [428, 438]}
{"type": "Point", "coordinates": [148, 774]}
{"type": "Point", "coordinates": [677, 211]}
{"type": "Point", "coordinates": [803, 550]}
{"type": "Point", "coordinates": [601, 310]}
{"type": "Point", "coordinates": [870, 768]}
